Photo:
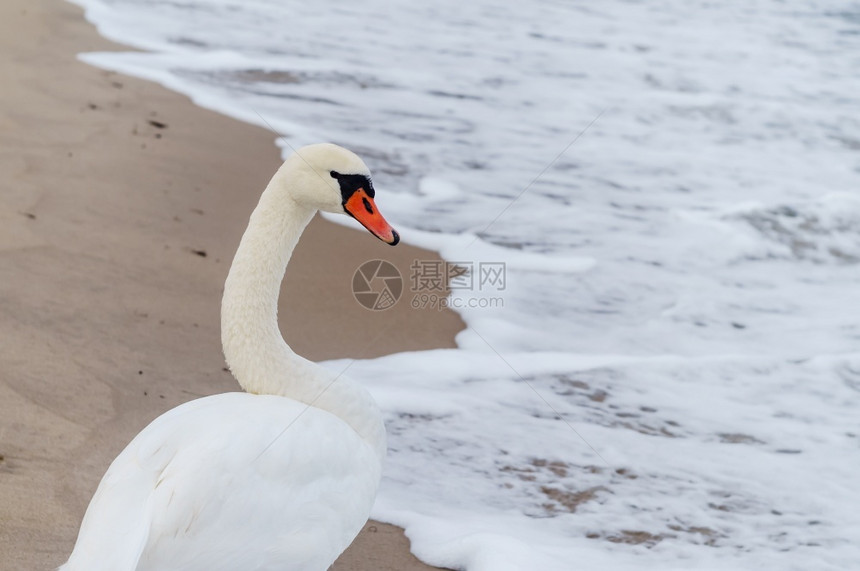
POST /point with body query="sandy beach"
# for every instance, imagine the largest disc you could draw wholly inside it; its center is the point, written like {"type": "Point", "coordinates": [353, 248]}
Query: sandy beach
{"type": "Point", "coordinates": [121, 207]}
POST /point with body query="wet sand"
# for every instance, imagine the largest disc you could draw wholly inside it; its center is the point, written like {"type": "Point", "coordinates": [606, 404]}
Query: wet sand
{"type": "Point", "coordinates": [121, 205]}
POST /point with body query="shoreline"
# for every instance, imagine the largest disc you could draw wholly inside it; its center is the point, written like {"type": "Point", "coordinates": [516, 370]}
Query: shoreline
{"type": "Point", "coordinates": [122, 205]}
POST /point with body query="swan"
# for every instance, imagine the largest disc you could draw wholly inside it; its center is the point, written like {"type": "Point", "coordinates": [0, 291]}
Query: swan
{"type": "Point", "coordinates": [281, 476]}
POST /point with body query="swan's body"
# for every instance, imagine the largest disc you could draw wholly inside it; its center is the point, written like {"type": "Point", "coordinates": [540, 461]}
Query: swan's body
{"type": "Point", "coordinates": [280, 479]}
{"type": "Point", "coordinates": [192, 493]}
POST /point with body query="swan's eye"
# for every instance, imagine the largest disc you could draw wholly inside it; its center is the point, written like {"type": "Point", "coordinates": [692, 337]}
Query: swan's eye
{"type": "Point", "coordinates": [351, 183]}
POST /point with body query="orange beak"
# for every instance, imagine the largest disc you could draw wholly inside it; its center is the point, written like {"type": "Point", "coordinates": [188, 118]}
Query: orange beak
{"type": "Point", "coordinates": [361, 207]}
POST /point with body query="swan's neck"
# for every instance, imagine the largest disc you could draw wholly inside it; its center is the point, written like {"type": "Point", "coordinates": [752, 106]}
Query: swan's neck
{"type": "Point", "coordinates": [255, 351]}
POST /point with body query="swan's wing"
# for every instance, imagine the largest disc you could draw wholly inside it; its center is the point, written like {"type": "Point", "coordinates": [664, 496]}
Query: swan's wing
{"type": "Point", "coordinates": [275, 485]}
{"type": "Point", "coordinates": [115, 528]}
{"type": "Point", "coordinates": [219, 483]}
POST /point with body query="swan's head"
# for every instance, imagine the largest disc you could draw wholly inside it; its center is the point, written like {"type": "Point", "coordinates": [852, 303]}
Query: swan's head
{"type": "Point", "coordinates": [334, 179]}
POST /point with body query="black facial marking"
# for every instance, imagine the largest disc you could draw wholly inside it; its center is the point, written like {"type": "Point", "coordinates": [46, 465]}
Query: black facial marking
{"type": "Point", "coordinates": [349, 183]}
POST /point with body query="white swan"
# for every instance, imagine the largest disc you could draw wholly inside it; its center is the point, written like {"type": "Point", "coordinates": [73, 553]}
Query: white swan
{"type": "Point", "coordinates": [281, 478]}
